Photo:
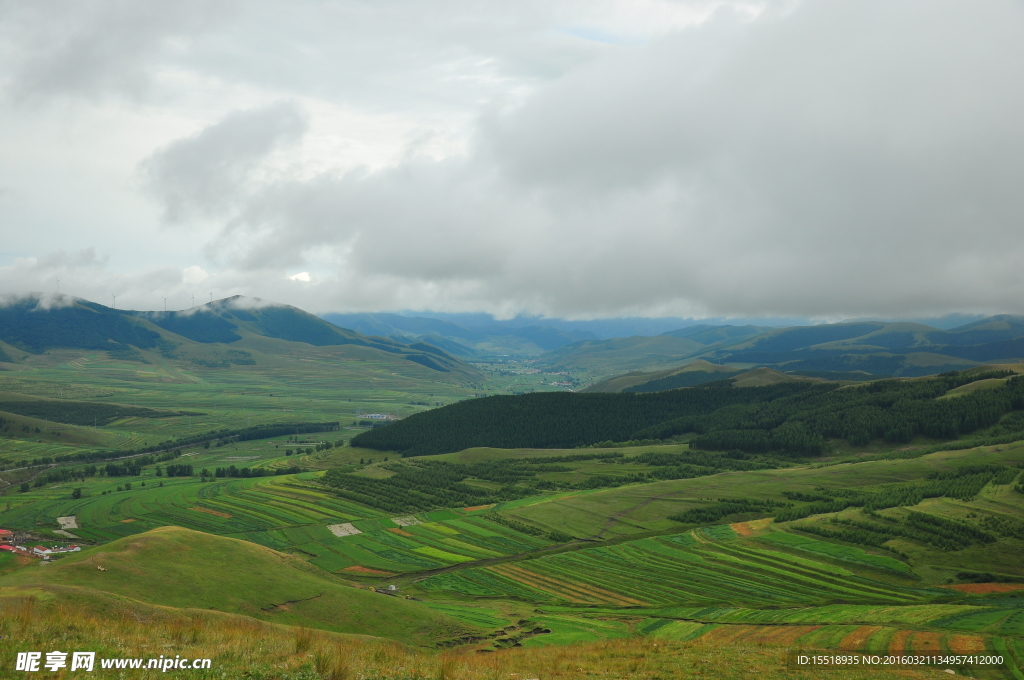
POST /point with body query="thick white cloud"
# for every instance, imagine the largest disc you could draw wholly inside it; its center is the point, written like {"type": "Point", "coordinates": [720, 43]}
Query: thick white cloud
{"type": "Point", "coordinates": [822, 159]}
{"type": "Point", "coordinates": [204, 174]}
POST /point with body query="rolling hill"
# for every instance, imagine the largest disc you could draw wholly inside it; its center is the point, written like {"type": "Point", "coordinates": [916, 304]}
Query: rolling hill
{"type": "Point", "coordinates": [689, 374]}
{"type": "Point", "coordinates": [483, 337]}
{"type": "Point", "coordinates": [37, 324]}
{"type": "Point", "coordinates": [180, 568]}
{"type": "Point", "coordinates": [695, 373]}
{"type": "Point", "coordinates": [833, 351]}
{"type": "Point", "coordinates": [898, 349]}
{"type": "Point", "coordinates": [765, 412]}
{"type": "Point", "coordinates": [601, 358]}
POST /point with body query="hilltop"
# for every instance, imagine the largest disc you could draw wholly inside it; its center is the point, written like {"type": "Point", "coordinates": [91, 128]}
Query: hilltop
{"type": "Point", "coordinates": [216, 331]}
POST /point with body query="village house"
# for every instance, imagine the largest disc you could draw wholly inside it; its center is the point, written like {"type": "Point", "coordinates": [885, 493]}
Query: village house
{"type": "Point", "coordinates": [6, 536]}
{"type": "Point", "coordinates": [43, 550]}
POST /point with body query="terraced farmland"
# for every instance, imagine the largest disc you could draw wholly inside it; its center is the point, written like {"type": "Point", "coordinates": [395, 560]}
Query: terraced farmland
{"type": "Point", "coordinates": [225, 507]}
{"type": "Point", "coordinates": [437, 539]}
{"type": "Point", "coordinates": [701, 567]}
{"type": "Point", "coordinates": [289, 513]}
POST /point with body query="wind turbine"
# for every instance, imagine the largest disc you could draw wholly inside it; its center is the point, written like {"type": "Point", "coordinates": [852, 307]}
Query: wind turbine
{"type": "Point", "coordinates": [165, 303]}
{"type": "Point", "coordinates": [211, 297]}
{"type": "Point", "coordinates": [115, 300]}
{"type": "Point", "coordinates": [193, 302]}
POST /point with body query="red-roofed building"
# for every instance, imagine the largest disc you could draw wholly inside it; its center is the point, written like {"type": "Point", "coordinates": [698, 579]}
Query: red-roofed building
{"type": "Point", "coordinates": [7, 547]}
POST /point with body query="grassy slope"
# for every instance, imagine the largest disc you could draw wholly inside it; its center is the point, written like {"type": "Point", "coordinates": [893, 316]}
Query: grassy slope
{"type": "Point", "coordinates": [643, 508]}
{"type": "Point", "coordinates": [241, 647]}
{"type": "Point", "coordinates": [621, 382]}
{"type": "Point", "coordinates": [288, 382]}
{"type": "Point", "coordinates": [602, 358]}
{"type": "Point", "coordinates": [760, 377]}
{"type": "Point", "coordinates": [186, 569]}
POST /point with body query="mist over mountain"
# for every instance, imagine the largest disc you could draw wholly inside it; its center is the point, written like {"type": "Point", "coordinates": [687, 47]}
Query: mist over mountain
{"type": "Point", "coordinates": [35, 324]}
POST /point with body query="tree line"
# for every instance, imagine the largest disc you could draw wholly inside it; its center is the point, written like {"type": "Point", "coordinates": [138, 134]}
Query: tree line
{"type": "Point", "coordinates": [789, 419]}
{"type": "Point", "coordinates": [558, 419]}
{"type": "Point", "coordinates": [939, 532]}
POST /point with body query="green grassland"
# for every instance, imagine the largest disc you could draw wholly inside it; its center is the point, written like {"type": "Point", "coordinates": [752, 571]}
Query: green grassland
{"type": "Point", "coordinates": [187, 569]}
{"type": "Point", "coordinates": [286, 382]}
{"type": "Point", "coordinates": [645, 508]}
{"type": "Point", "coordinates": [575, 547]}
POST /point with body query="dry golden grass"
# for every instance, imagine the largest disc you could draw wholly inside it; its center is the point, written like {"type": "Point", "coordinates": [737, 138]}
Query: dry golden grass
{"type": "Point", "coordinates": [242, 647]}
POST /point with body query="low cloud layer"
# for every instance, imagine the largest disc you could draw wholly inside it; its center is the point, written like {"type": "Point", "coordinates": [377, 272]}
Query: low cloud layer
{"type": "Point", "coordinates": [835, 159]}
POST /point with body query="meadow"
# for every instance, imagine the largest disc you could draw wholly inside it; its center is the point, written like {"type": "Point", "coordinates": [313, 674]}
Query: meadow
{"type": "Point", "coordinates": [241, 646]}
{"type": "Point", "coordinates": [573, 567]}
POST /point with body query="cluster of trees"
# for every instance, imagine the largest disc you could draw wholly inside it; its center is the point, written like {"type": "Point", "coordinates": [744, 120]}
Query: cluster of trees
{"type": "Point", "coordinates": [857, 536]}
{"type": "Point", "coordinates": [133, 466]}
{"type": "Point", "coordinates": [556, 536]}
{"type": "Point", "coordinates": [81, 412]}
{"type": "Point", "coordinates": [518, 477]}
{"type": "Point", "coordinates": [964, 484]}
{"type": "Point", "coordinates": [784, 419]}
{"type": "Point", "coordinates": [246, 473]}
{"type": "Point", "coordinates": [558, 419]}
{"type": "Point", "coordinates": [416, 488]}
{"type": "Point", "coordinates": [64, 475]}
{"type": "Point", "coordinates": [130, 468]}
{"type": "Point", "coordinates": [944, 534]}
{"type": "Point", "coordinates": [282, 429]}
{"type": "Point", "coordinates": [897, 410]}
{"type": "Point", "coordinates": [177, 470]}
{"type": "Point", "coordinates": [725, 507]}
{"type": "Point", "coordinates": [987, 577]}
{"type": "Point", "coordinates": [893, 410]}
{"type": "Point", "coordinates": [790, 437]}
{"type": "Point", "coordinates": [1003, 526]}
{"type": "Point", "coordinates": [610, 481]}
{"type": "Point", "coordinates": [238, 434]}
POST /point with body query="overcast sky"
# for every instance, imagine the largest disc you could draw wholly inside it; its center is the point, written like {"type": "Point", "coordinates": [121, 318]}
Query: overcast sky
{"type": "Point", "coordinates": [831, 159]}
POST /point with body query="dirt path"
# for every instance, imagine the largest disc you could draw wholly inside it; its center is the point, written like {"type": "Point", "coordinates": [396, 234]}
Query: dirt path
{"type": "Point", "coordinates": [616, 517]}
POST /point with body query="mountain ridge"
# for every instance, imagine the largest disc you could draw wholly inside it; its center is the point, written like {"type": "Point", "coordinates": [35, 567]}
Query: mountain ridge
{"type": "Point", "coordinates": [35, 324]}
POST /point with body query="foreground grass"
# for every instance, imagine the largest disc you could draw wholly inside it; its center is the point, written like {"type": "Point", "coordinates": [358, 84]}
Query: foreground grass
{"type": "Point", "coordinates": [175, 567]}
{"type": "Point", "coordinates": [242, 647]}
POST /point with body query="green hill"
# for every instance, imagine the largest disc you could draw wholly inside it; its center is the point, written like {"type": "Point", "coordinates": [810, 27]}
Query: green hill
{"type": "Point", "coordinates": [841, 351]}
{"type": "Point", "coordinates": [38, 324]}
{"type": "Point", "coordinates": [689, 374]}
{"type": "Point", "coordinates": [782, 415]}
{"type": "Point", "coordinates": [900, 349]}
{"type": "Point", "coordinates": [617, 355]}
{"type": "Point", "coordinates": [180, 568]}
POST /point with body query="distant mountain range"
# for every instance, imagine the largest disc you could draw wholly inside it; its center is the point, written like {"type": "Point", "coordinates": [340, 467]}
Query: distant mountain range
{"type": "Point", "coordinates": [878, 348]}
{"type": "Point", "coordinates": [482, 337]}
{"type": "Point", "coordinates": [859, 350]}
{"type": "Point", "coordinates": [844, 350]}
{"type": "Point", "coordinates": [36, 324]}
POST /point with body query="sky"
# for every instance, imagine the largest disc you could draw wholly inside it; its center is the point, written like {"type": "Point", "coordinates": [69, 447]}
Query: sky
{"type": "Point", "coordinates": [691, 158]}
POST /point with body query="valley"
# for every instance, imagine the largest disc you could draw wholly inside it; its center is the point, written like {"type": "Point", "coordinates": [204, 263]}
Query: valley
{"type": "Point", "coordinates": [363, 513]}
